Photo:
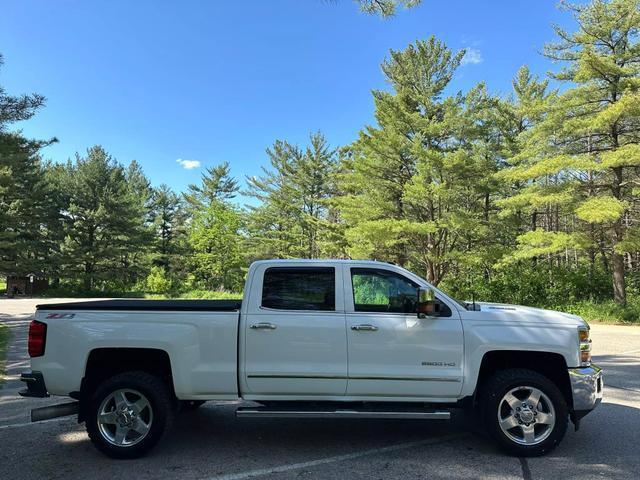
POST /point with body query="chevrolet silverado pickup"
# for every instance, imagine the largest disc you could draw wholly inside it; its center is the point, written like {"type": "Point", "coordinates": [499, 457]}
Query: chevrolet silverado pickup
{"type": "Point", "coordinates": [314, 339]}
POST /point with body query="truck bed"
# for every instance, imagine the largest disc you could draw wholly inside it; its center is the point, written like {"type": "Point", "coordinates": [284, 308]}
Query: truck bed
{"type": "Point", "coordinates": [150, 305]}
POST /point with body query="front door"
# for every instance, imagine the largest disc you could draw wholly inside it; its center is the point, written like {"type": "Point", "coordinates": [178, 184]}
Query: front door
{"type": "Point", "coordinates": [393, 353]}
{"type": "Point", "coordinates": [295, 336]}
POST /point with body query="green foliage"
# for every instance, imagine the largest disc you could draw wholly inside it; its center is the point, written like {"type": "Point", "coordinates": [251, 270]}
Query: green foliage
{"type": "Point", "coordinates": [536, 243]}
{"type": "Point", "coordinates": [26, 210]}
{"type": "Point", "coordinates": [217, 185]}
{"type": "Point", "coordinates": [542, 285]}
{"type": "Point", "coordinates": [587, 138]}
{"type": "Point", "coordinates": [158, 281]}
{"type": "Point", "coordinates": [601, 209]}
{"type": "Point", "coordinates": [106, 234]}
{"type": "Point", "coordinates": [385, 8]}
{"type": "Point", "coordinates": [416, 189]}
{"type": "Point", "coordinates": [210, 294]}
{"type": "Point", "coordinates": [168, 219]}
{"type": "Point", "coordinates": [606, 311]}
{"type": "Point", "coordinates": [295, 218]}
{"type": "Point", "coordinates": [214, 236]}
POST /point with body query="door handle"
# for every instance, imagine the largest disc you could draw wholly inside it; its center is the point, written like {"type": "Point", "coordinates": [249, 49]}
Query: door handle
{"type": "Point", "coordinates": [365, 328]}
{"type": "Point", "coordinates": [263, 326]}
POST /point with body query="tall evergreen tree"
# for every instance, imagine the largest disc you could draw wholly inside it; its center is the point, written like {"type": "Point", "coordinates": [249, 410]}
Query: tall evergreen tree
{"type": "Point", "coordinates": [25, 206]}
{"type": "Point", "coordinates": [584, 156]}
{"type": "Point", "coordinates": [105, 222]}
{"type": "Point", "coordinates": [217, 185]}
{"type": "Point", "coordinates": [169, 223]}
{"type": "Point", "coordinates": [294, 219]}
{"type": "Point", "coordinates": [416, 184]}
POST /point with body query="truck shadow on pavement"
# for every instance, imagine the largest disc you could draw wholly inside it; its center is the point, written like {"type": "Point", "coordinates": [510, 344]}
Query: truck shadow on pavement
{"type": "Point", "coordinates": [211, 442]}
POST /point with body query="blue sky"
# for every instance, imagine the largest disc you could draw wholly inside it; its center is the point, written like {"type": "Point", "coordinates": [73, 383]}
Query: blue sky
{"type": "Point", "coordinates": [213, 81]}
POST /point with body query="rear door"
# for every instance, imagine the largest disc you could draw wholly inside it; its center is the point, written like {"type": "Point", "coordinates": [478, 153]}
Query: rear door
{"type": "Point", "coordinates": [295, 333]}
{"type": "Point", "coordinates": [393, 353]}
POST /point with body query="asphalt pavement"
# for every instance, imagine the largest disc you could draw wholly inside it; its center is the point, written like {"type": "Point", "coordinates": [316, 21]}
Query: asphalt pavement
{"type": "Point", "coordinates": [211, 443]}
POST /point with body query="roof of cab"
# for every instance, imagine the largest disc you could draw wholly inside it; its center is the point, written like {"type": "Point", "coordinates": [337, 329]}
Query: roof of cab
{"type": "Point", "coordinates": [320, 260]}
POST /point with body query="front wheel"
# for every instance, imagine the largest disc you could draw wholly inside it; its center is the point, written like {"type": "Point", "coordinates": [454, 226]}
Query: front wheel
{"type": "Point", "coordinates": [524, 411]}
{"type": "Point", "coordinates": [128, 414]}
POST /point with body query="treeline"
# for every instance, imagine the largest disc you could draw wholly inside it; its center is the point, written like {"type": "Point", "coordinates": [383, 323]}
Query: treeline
{"type": "Point", "coordinates": [530, 197]}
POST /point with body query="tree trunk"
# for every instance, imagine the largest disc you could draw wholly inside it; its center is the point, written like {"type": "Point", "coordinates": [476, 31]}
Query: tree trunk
{"type": "Point", "coordinates": [88, 278]}
{"type": "Point", "coordinates": [619, 291]}
{"type": "Point", "coordinates": [617, 260]}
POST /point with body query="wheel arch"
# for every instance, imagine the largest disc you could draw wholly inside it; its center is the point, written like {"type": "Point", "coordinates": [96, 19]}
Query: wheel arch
{"type": "Point", "coordinates": [104, 363]}
{"type": "Point", "coordinates": [551, 365]}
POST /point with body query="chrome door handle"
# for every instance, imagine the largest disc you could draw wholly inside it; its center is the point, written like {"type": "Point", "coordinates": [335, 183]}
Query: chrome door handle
{"type": "Point", "coordinates": [263, 326]}
{"type": "Point", "coordinates": [365, 328]}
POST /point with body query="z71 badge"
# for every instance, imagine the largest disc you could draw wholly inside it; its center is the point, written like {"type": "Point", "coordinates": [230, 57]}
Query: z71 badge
{"type": "Point", "coordinates": [60, 315]}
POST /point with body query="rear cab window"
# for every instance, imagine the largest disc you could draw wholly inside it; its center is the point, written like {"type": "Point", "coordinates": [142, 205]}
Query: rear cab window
{"type": "Point", "coordinates": [299, 288]}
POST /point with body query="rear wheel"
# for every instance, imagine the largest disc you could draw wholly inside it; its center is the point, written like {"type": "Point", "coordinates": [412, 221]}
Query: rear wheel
{"type": "Point", "coordinates": [524, 411]}
{"type": "Point", "coordinates": [128, 414]}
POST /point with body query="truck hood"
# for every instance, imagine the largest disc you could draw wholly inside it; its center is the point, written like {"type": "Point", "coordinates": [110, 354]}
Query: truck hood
{"type": "Point", "coordinates": [520, 312]}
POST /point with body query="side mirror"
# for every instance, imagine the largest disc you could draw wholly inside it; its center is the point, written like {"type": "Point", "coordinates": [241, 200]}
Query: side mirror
{"type": "Point", "coordinates": [428, 304]}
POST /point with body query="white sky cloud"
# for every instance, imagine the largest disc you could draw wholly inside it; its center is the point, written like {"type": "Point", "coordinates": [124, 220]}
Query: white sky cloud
{"type": "Point", "coordinates": [189, 164]}
{"type": "Point", "coordinates": [473, 56]}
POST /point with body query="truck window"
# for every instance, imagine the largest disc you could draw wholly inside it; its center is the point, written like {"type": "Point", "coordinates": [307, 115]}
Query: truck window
{"type": "Point", "coordinates": [299, 288]}
{"type": "Point", "coordinates": [377, 290]}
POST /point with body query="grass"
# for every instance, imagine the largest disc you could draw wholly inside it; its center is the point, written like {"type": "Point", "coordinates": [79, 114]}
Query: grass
{"type": "Point", "coordinates": [197, 294]}
{"type": "Point", "coordinates": [187, 294]}
{"type": "Point", "coordinates": [606, 312]}
{"type": "Point", "coordinates": [4, 342]}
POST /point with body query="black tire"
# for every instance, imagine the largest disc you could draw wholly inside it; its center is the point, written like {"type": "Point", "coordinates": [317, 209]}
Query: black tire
{"type": "Point", "coordinates": [160, 407]}
{"type": "Point", "coordinates": [190, 405]}
{"type": "Point", "coordinates": [491, 399]}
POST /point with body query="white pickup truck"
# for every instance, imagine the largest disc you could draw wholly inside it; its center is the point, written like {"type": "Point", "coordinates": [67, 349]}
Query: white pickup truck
{"type": "Point", "coordinates": [314, 339]}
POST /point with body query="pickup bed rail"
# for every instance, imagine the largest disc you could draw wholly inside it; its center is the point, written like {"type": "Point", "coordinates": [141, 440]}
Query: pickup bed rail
{"type": "Point", "coordinates": [165, 305]}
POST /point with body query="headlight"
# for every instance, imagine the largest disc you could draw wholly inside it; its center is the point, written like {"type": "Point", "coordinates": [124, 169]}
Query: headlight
{"type": "Point", "coordinates": [584, 343]}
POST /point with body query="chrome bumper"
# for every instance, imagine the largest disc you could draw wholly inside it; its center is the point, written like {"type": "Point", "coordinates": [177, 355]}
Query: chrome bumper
{"type": "Point", "coordinates": [586, 386]}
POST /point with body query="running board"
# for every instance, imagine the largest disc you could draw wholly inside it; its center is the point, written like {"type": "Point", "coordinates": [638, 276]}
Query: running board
{"type": "Point", "coordinates": [54, 411]}
{"type": "Point", "coordinates": [245, 412]}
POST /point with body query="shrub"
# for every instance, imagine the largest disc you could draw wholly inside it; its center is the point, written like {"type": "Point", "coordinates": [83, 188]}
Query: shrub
{"type": "Point", "coordinates": [157, 281]}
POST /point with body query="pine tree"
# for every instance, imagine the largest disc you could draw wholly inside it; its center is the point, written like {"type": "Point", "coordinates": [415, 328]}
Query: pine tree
{"type": "Point", "coordinates": [521, 201]}
{"type": "Point", "coordinates": [25, 206]}
{"type": "Point", "coordinates": [169, 224]}
{"type": "Point", "coordinates": [105, 223]}
{"type": "Point", "coordinates": [418, 186]}
{"type": "Point", "coordinates": [294, 218]}
{"type": "Point", "coordinates": [217, 185]}
{"type": "Point", "coordinates": [581, 161]}
{"type": "Point", "coordinates": [385, 8]}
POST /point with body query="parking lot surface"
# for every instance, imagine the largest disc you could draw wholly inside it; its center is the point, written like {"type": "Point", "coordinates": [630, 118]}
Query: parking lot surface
{"type": "Point", "coordinates": [212, 444]}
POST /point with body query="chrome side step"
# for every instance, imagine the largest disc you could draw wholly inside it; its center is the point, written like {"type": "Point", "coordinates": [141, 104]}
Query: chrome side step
{"type": "Point", "coordinates": [271, 413]}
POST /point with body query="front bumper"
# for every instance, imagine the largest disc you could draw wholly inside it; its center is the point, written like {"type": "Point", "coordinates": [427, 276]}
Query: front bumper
{"type": "Point", "coordinates": [586, 387]}
{"type": "Point", "coordinates": [35, 385]}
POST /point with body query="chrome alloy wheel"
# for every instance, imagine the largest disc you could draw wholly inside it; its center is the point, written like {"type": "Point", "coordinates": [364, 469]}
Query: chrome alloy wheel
{"type": "Point", "coordinates": [526, 415]}
{"type": "Point", "coordinates": [125, 417]}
